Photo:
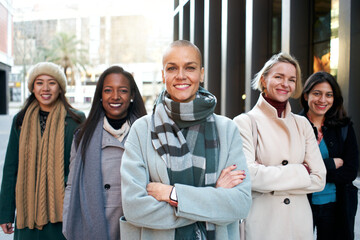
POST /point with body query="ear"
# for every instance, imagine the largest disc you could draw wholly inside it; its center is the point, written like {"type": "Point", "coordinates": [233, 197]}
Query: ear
{"type": "Point", "coordinates": [163, 77]}
{"type": "Point", "coordinates": [202, 75]}
{"type": "Point", "coordinates": [263, 82]}
{"type": "Point", "coordinates": [306, 96]}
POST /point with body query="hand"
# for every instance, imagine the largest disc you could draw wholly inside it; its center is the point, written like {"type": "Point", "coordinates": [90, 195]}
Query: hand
{"type": "Point", "coordinates": [230, 177]}
{"type": "Point", "coordinates": [7, 228]}
{"type": "Point", "coordinates": [338, 162]}
{"type": "Point", "coordinates": [159, 191]}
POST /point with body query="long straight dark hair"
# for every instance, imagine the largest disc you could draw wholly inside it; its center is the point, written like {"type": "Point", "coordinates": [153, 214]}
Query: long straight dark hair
{"type": "Point", "coordinates": [31, 98]}
{"type": "Point", "coordinates": [135, 110]}
{"type": "Point", "coordinates": [336, 115]}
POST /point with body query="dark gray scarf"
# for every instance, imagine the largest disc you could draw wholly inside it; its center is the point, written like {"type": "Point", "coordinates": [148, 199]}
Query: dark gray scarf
{"type": "Point", "coordinates": [86, 215]}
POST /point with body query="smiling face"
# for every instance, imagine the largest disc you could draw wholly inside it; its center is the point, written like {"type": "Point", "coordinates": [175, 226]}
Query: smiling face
{"type": "Point", "coordinates": [182, 73]}
{"type": "Point", "coordinates": [320, 99]}
{"type": "Point", "coordinates": [280, 82]}
{"type": "Point", "coordinates": [46, 90]}
{"type": "Point", "coordinates": [116, 95]}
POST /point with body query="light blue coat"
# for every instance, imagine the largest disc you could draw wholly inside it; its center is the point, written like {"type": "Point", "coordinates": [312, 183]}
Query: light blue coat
{"type": "Point", "coordinates": [147, 218]}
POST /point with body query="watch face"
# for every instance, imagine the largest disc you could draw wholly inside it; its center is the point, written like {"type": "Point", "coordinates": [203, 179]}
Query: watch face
{"type": "Point", "coordinates": [173, 195]}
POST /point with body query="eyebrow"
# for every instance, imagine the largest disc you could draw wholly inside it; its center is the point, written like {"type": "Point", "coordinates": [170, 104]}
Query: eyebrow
{"type": "Point", "coordinates": [40, 79]}
{"type": "Point", "coordinates": [188, 63]}
{"type": "Point", "coordinates": [109, 86]}
{"type": "Point", "coordinates": [284, 75]}
{"type": "Point", "coordinates": [316, 90]}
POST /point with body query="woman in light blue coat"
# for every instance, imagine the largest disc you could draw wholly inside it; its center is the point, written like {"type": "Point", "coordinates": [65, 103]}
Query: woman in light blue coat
{"type": "Point", "coordinates": [92, 205]}
{"type": "Point", "coordinates": [183, 171]}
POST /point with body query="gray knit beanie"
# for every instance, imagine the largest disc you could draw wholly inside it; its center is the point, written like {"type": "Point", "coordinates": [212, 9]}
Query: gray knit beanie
{"type": "Point", "coordinates": [50, 69]}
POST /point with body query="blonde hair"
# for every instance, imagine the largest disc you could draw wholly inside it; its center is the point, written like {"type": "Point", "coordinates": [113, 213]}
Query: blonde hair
{"type": "Point", "coordinates": [277, 58]}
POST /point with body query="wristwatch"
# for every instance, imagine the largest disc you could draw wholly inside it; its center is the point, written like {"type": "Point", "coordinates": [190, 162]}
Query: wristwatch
{"type": "Point", "coordinates": [173, 197]}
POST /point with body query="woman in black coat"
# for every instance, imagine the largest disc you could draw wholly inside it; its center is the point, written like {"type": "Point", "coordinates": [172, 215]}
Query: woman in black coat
{"type": "Point", "coordinates": [334, 208]}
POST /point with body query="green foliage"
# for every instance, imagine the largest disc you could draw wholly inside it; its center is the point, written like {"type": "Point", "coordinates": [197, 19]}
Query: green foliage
{"type": "Point", "coordinates": [66, 51]}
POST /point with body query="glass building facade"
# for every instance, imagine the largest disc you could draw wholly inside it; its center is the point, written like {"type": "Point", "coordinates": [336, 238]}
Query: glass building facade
{"type": "Point", "coordinates": [237, 37]}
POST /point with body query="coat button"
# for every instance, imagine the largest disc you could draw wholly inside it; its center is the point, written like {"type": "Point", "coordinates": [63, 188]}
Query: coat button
{"type": "Point", "coordinates": [287, 201]}
{"type": "Point", "coordinates": [107, 186]}
{"type": "Point", "coordinates": [284, 162]}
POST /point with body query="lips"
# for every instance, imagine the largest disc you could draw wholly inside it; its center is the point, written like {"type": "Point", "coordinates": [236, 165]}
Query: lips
{"type": "Point", "coordinates": [281, 91]}
{"type": "Point", "coordinates": [182, 86]}
{"type": "Point", "coordinates": [115, 105]}
{"type": "Point", "coordinates": [46, 96]}
{"type": "Point", "coordinates": [321, 107]}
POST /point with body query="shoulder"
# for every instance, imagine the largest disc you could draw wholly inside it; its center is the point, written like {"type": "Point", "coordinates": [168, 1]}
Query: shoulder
{"type": "Point", "coordinates": [226, 127]}
{"type": "Point", "coordinates": [222, 121]}
{"type": "Point", "coordinates": [243, 121]}
{"type": "Point", "coordinates": [300, 119]}
{"type": "Point", "coordinates": [142, 122]}
{"type": "Point", "coordinates": [141, 125]}
{"type": "Point", "coordinates": [77, 112]}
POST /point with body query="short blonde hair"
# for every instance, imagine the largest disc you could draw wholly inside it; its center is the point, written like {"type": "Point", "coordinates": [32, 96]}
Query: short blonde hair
{"type": "Point", "coordinates": [277, 58]}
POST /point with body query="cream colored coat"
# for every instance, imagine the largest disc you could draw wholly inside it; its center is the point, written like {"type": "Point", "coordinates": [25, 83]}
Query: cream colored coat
{"type": "Point", "coordinates": [280, 208]}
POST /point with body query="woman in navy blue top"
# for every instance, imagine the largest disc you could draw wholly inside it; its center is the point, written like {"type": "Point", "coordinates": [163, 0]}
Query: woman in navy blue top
{"type": "Point", "coordinates": [334, 208]}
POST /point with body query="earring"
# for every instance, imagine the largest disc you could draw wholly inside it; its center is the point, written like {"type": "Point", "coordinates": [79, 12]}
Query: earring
{"type": "Point", "coordinates": [131, 100]}
{"type": "Point", "coordinates": [100, 100]}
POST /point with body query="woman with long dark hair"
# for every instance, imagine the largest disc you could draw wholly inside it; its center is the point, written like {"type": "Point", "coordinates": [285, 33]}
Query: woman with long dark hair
{"type": "Point", "coordinates": [92, 205]}
{"type": "Point", "coordinates": [37, 158]}
{"type": "Point", "coordinates": [334, 208]}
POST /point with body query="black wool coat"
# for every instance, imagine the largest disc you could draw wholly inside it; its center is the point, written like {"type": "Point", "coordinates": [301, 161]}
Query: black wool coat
{"type": "Point", "coordinates": [341, 143]}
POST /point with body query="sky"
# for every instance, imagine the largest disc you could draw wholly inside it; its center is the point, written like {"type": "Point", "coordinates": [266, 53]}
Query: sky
{"type": "Point", "coordinates": [47, 9]}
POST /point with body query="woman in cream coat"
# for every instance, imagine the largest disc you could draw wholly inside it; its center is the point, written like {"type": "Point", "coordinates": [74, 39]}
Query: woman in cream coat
{"type": "Point", "coordinates": [286, 163]}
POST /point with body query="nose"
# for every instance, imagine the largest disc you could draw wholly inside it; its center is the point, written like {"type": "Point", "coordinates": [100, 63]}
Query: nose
{"type": "Point", "coordinates": [46, 86]}
{"type": "Point", "coordinates": [181, 74]}
{"type": "Point", "coordinates": [285, 83]}
{"type": "Point", "coordinates": [116, 95]}
{"type": "Point", "coordinates": [322, 98]}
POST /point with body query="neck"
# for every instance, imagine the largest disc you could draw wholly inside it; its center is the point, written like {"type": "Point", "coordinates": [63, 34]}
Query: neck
{"type": "Point", "coordinates": [316, 119]}
{"type": "Point", "coordinates": [116, 123]}
{"type": "Point", "coordinates": [279, 106]}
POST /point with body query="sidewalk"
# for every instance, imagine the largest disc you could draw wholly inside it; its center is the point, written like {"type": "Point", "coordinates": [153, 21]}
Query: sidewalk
{"type": "Point", "coordinates": [5, 125]}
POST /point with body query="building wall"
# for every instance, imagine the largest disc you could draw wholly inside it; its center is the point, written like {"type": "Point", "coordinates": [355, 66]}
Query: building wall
{"type": "Point", "coordinates": [235, 49]}
{"type": "Point", "coordinates": [3, 28]}
{"type": "Point", "coordinates": [6, 60]}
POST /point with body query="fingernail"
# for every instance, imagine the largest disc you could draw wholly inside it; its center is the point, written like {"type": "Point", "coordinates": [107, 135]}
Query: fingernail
{"type": "Point", "coordinates": [234, 165]}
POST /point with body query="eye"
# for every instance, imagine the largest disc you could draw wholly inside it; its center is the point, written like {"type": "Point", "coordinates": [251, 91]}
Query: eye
{"type": "Point", "coordinates": [316, 94]}
{"type": "Point", "coordinates": [329, 95]}
{"type": "Point", "coordinates": [53, 83]}
{"type": "Point", "coordinates": [292, 80]}
{"type": "Point", "coordinates": [107, 90]}
{"type": "Point", "coordinates": [190, 68]}
{"type": "Point", "coordinates": [123, 91]}
{"type": "Point", "coordinates": [171, 69]}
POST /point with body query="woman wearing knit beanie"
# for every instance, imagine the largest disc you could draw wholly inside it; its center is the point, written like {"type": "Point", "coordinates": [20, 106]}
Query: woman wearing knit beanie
{"type": "Point", "coordinates": [37, 158]}
{"type": "Point", "coordinates": [92, 204]}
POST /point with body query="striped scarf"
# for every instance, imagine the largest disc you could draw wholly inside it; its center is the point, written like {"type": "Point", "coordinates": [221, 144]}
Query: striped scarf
{"type": "Point", "coordinates": [185, 136]}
